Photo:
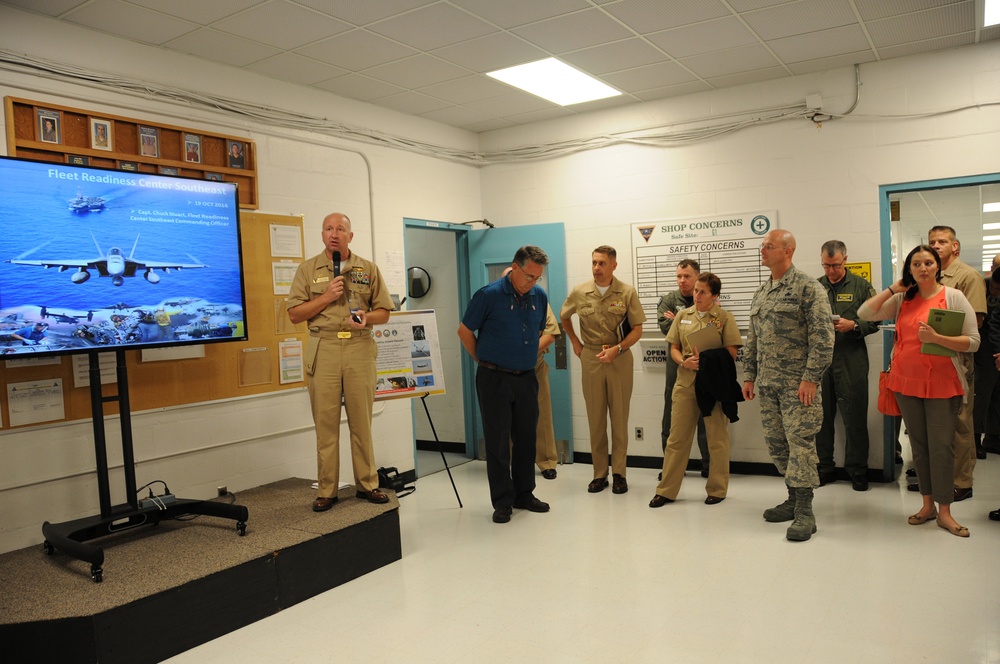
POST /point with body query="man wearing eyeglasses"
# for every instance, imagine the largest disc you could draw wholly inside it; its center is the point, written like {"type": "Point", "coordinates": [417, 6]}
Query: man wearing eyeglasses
{"type": "Point", "coordinates": [845, 383]}
{"type": "Point", "coordinates": [789, 345]}
{"type": "Point", "coordinates": [500, 330]}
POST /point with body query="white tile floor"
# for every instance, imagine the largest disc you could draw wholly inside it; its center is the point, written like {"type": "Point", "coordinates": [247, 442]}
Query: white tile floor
{"type": "Point", "coordinates": [604, 578]}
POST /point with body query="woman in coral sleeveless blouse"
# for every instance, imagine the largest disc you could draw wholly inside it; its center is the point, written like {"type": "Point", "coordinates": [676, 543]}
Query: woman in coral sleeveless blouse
{"type": "Point", "coordinates": [930, 388]}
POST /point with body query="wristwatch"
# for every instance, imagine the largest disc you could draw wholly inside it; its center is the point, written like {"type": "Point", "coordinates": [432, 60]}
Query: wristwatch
{"type": "Point", "coordinates": [620, 349]}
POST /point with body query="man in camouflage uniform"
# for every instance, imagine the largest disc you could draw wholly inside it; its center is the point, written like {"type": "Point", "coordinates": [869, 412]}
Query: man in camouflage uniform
{"type": "Point", "coordinates": [789, 345]}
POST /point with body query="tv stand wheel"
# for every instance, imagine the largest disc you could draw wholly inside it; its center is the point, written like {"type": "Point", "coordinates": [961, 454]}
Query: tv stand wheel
{"type": "Point", "coordinates": [241, 528]}
{"type": "Point", "coordinates": [47, 548]}
{"type": "Point", "coordinates": [96, 573]}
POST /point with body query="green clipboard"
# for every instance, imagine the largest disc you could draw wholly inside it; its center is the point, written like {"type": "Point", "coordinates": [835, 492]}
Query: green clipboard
{"type": "Point", "coordinates": [947, 322]}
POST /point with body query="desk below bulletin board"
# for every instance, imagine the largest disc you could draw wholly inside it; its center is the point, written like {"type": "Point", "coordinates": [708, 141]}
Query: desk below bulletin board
{"type": "Point", "coordinates": [266, 362]}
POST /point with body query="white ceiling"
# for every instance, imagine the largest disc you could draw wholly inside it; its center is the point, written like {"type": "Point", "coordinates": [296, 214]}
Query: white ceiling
{"type": "Point", "coordinates": [428, 57]}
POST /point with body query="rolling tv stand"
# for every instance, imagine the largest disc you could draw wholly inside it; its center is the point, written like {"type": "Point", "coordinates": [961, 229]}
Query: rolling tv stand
{"type": "Point", "coordinates": [69, 537]}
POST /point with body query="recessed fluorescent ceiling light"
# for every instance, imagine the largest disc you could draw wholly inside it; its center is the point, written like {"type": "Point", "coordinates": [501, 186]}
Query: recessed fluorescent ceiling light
{"type": "Point", "coordinates": [553, 80]}
{"type": "Point", "coordinates": [991, 207]}
{"type": "Point", "coordinates": [991, 13]}
{"type": "Point", "coordinates": [991, 227]}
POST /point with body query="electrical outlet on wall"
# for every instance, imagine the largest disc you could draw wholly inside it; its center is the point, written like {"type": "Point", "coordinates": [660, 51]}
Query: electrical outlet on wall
{"type": "Point", "coordinates": [222, 490]}
{"type": "Point", "coordinates": [638, 433]}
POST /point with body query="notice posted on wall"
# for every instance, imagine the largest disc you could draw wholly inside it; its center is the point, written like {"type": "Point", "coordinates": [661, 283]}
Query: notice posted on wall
{"type": "Point", "coordinates": [409, 356]}
{"type": "Point", "coordinates": [726, 245]}
{"type": "Point", "coordinates": [34, 402]}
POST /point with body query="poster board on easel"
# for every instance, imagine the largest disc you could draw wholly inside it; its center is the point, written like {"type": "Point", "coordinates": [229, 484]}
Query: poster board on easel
{"type": "Point", "coordinates": [409, 356]}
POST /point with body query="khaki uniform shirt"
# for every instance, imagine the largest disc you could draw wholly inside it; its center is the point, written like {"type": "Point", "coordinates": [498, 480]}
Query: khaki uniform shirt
{"type": "Point", "coordinates": [964, 278]}
{"type": "Point", "coordinates": [365, 290]}
{"type": "Point", "coordinates": [600, 315]}
{"type": "Point", "coordinates": [688, 321]}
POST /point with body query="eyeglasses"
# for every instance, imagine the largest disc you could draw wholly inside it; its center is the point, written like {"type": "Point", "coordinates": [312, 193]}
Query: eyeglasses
{"type": "Point", "coordinates": [770, 247]}
{"type": "Point", "coordinates": [832, 266]}
{"type": "Point", "coordinates": [529, 277]}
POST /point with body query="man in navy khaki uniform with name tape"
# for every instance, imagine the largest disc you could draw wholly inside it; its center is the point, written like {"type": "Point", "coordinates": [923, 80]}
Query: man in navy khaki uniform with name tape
{"type": "Point", "coordinates": [606, 363]}
{"type": "Point", "coordinates": [500, 331]}
{"type": "Point", "coordinates": [341, 296]}
{"type": "Point", "coordinates": [789, 346]}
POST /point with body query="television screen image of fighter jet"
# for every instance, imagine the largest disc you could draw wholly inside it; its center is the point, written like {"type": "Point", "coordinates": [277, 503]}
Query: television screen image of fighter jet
{"type": "Point", "coordinates": [74, 238]}
{"type": "Point", "coordinates": [114, 264]}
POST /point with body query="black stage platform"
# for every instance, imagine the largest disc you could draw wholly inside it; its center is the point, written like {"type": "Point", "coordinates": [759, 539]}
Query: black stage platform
{"type": "Point", "coordinates": [174, 586]}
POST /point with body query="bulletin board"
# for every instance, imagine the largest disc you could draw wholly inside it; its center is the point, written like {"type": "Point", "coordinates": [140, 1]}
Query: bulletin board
{"type": "Point", "coordinates": [227, 370]}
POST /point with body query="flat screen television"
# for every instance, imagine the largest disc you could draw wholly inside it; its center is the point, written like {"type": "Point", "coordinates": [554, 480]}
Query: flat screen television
{"type": "Point", "coordinates": [95, 259]}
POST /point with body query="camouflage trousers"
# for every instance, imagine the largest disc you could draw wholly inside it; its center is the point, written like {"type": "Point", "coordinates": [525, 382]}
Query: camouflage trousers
{"type": "Point", "coordinates": [790, 430]}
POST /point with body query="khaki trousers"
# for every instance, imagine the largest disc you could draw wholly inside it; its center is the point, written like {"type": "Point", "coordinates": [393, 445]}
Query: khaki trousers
{"type": "Point", "coordinates": [344, 368]}
{"type": "Point", "coordinates": [965, 442]}
{"type": "Point", "coordinates": [546, 456]}
{"type": "Point", "coordinates": [607, 388]}
{"type": "Point", "coordinates": [684, 417]}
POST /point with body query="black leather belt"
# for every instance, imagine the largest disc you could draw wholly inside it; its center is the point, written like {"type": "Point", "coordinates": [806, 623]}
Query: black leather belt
{"type": "Point", "coordinates": [516, 372]}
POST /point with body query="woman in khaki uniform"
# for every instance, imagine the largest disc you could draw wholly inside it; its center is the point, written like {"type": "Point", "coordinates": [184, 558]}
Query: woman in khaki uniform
{"type": "Point", "coordinates": [706, 313]}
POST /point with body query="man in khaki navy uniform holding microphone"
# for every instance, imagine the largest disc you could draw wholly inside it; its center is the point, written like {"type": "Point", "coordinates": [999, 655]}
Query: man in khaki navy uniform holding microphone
{"type": "Point", "coordinates": [602, 305]}
{"type": "Point", "coordinates": [341, 295]}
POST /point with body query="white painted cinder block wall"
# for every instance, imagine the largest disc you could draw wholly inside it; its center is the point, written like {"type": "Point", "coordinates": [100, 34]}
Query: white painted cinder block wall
{"type": "Point", "coordinates": [46, 472]}
{"type": "Point", "coordinates": [822, 181]}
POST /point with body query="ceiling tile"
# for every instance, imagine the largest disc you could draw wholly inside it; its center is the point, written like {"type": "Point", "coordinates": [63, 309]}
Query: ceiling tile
{"type": "Point", "coordinates": [745, 77]}
{"type": "Point", "coordinates": [356, 50]}
{"type": "Point", "coordinates": [469, 88]}
{"type": "Point", "coordinates": [198, 11]}
{"type": "Point", "coordinates": [492, 52]}
{"type": "Point", "coordinates": [835, 62]}
{"type": "Point", "coordinates": [800, 18]}
{"type": "Point", "coordinates": [358, 12]}
{"type": "Point", "coordinates": [597, 104]}
{"type": "Point", "coordinates": [927, 45]}
{"type": "Point", "coordinates": [131, 22]}
{"type": "Point", "coordinates": [222, 47]}
{"type": "Point", "coordinates": [625, 54]}
{"type": "Point", "coordinates": [295, 68]}
{"type": "Point", "coordinates": [457, 116]}
{"type": "Point", "coordinates": [750, 5]}
{"type": "Point", "coordinates": [875, 9]}
{"type": "Point", "coordinates": [649, 77]}
{"type": "Point", "coordinates": [512, 13]}
{"type": "Point", "coordinates": [573, 31]}
{"type": "Point", "coordinates": [822, 44]}
{"type": "Point", "coordinates": [510, 104]}
{"type": "Point", "coordinates": [732, 61]}
{"type": "Point", "coordinates": [488, 125]}
{"type": "Point", "coordinates": [432, 27]}
{"type": "Point", "coordinates": [282, 24]}
{"type": "Point", "coordinates": [47, 7]}
{"type": "Point", "coordinates": [646, 16]}
{"type": "Point", "coordinates": [703, 37]}
{"type": "Point", "coordinates": [417, 72]}
{"type": "Point", "coordinates": [929, 24]}
{"type": "Point", "coordinates": [539, 115]}
{"type": "Point", "coordinates": [411, 102]}
{"type": "Point", "coordinates": [673, 90]}
{"type": "Point", "coordinates": [358, 86]}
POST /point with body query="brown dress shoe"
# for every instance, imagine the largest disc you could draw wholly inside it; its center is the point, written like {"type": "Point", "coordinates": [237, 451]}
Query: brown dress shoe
{"type": "Point", "coordinates": [619, 485]}
{"type": "Point", "coordinates": [962, 493]}
{"type": "Point", "coordinates": [374, 496]}
{"type": "Point", "coordinates": [598, 485]}
{"type": "Point", "coordinates": [659, 501]}
{"type": "Point", "coordinates": [323, 504]}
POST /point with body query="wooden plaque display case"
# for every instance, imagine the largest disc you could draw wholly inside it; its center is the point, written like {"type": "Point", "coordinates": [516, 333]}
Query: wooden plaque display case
{"type": "Point", "coordinates": [50, 132]}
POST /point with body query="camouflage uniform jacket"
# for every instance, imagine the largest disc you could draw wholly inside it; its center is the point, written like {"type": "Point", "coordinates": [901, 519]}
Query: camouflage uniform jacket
{"type": "Point", "coordinates": [790, 336]}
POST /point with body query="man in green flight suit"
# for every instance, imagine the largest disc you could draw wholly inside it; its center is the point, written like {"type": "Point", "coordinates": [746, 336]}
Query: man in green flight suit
{"type": "Point", "coordinates": [845, 383]}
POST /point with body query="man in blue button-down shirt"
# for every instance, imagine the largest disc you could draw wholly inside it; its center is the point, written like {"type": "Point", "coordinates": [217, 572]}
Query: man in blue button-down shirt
{"type": "Point", "coordinates": [509, 316]}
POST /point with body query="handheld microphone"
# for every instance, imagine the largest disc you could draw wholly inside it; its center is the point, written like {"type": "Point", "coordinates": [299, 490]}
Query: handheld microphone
{"type": "Point", "coordinates": [336, 264]}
